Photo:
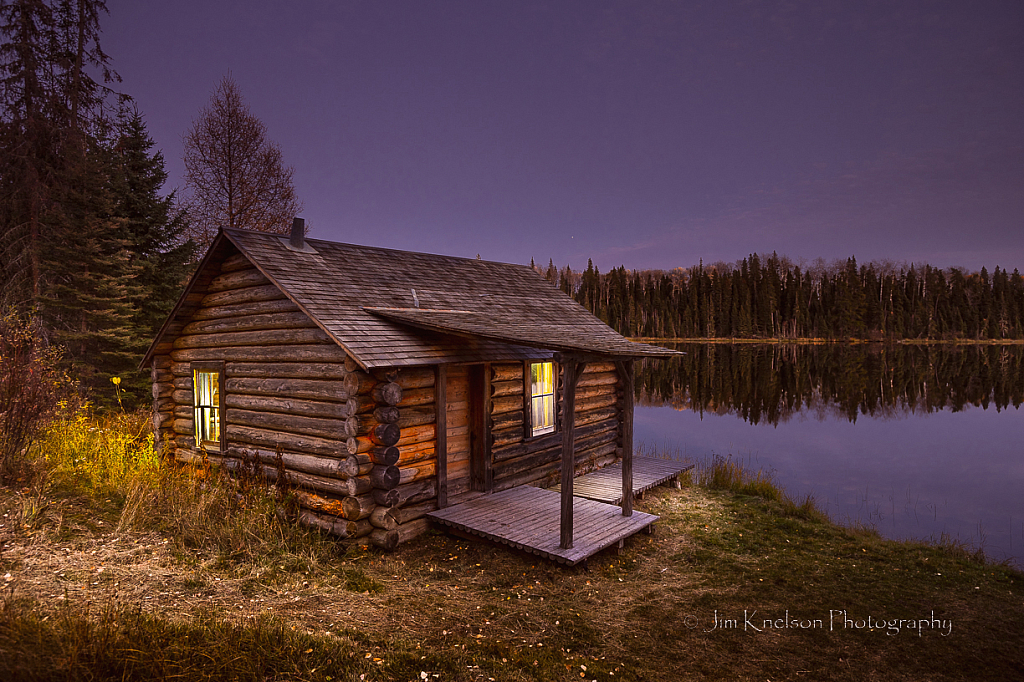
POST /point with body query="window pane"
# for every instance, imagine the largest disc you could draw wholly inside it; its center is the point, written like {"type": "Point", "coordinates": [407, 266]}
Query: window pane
{"type": "Point", "coordinates": [206, 397]}
{"type": "Point", "coordinates": [542, 397]}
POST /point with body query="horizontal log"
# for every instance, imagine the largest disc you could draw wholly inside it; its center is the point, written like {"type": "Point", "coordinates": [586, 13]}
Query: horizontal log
{"type": "Point", "coordinates": [359, 444]}
{"type": "Point", "coordinates": [319, 503]}
{"type": "Point", "coordinates": [161, 376]}
{"type": "Point", "coordinates": [385, 455]}
{"type": "Point", "coordinates": [295, 406]}
{"type": "Point", "coordinates": [358, 507]}
{"type": "Point", "coordinates": [359, 383]}
{"type": "Point", "coordinates": [584, 392]}
{"type": "Point", "coordinates": [507, 419]}
{"type": "Point", "coordinates": [599, 367]}
{"type": "Point", "coordinates": [417, 397]}
{"type": "Point", "coordinates": [182, 383]}
{"type": "Point", "coordinates": [414, 377]}
{"type": "Point", "coordinates": [292, 461]}
{"type": "Point", "coordinates": [300, 443]}
{"type": "Point", "coordinates": [504, 388]}
{"type": "Point", "coordinates": [343, 528]}
{"type": "Point", "coordinates": [359, 485]}
{"type": "Point", "coordinates": [407, 494]}
{"type": "Point", "coordinates": [403, 515]}
{"type": "Point", "coordinates": [410, 473]}
{"type": "Point", "coordinates": [311, 352]}
{"type": "Point", "coordinates": [358, 465]}
{"type": "Point", "coordinates": [507, 372]}
{"type": "Point", "coordinates": [303, 481]}
{"type": "Point", "coordinates": [542, 475]}
{"type": "Point", "coordinates": [416, 453]}
{"type": "Point", "coordinates": [289, 370]}
{"type": "Point", "coordinates": [162, 420]}
{"type": "Point", "coordinates": [289, 423]}
{"type": "Point", "coordinates": [252, 322]}
{"type": "Point", "coordinates": [281, 305]}
{"type": "Point", "coordinates": [183, 397]}
{"type": "Point", "coordinates": [509, 403]}
{"type": "Point", "coordinates": [506, 436]}
{"type": "Point", "coordinates": [409, 417]}
{"type": "Point", "coordinates": [597, 379]}
{"type": "Point", "coordinates": [390, 539]}
{"type": "Point", "coordinates": [162, 391]}
{"type": "Point", "coordinates": [596, 416]}
{"type": "Point", "coordinates": [595, 403]}
{"type": "Point", "coordinates": [183, 412]}
{"type": "Point", "coordinates": [239, 279]}
{"type": "Point", "coordinates": [330, 390]}
{"type": "Point", "coordinates": [266, 292]}
{"type": "Point", "coordinates": [388, 393]}
{"type": "Point", "coordinates": [258, 337]}
{"type": "Point", "coordinates": [415, 434]}
{"type": "Point", "coordinates": [163, 360]}
{"type": "Point", "coordinates": [235, 262]}
{"type": "Point", "coordinates": [183, 426]}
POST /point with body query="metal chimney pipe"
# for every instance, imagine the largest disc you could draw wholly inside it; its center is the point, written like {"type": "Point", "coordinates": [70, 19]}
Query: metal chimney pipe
{"type": "Point", "coordinates": [298, 238]}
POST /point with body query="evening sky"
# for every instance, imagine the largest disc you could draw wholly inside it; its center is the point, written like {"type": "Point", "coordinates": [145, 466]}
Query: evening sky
{"type": "Point", "coordinates": [648, 134]}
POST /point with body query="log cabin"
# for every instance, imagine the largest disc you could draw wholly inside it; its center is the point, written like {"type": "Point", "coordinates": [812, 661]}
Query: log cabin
{"type": "Point", "coordinates": [386, 385]}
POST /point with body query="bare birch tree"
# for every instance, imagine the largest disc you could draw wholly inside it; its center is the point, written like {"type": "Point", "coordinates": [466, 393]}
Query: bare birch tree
{"type": "Point", "coordinates": [234, 176]}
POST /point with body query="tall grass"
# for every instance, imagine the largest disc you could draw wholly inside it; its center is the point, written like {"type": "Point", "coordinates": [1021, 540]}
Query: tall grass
{"type": "Point", "coordinates": [725, 473]}
{"type": "Point", "coordinates": [110, 459]}
{"type": "Point", "coordinates": [98, 454]}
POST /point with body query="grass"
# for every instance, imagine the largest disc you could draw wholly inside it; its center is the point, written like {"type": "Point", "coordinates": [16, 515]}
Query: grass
{"type": "Point", "coordinates": [231, 591]}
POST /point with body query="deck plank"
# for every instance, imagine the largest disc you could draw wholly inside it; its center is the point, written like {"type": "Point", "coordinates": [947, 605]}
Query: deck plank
{"type": "Point", "coordinates": [605, 485]}
{"type": "Point", "coordinates": [528, 518]}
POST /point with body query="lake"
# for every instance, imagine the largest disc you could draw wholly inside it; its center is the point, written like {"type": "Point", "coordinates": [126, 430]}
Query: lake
{"type": "Point", "coordinates": [914, 440]}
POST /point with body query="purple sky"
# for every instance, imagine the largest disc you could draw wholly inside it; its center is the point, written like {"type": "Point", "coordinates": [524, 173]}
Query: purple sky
{"type": "Point", "coordinates": [647, 134]}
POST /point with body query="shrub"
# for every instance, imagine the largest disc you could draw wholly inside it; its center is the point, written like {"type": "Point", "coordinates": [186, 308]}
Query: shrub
{"type": "Point", "coordinates": [32, 386]}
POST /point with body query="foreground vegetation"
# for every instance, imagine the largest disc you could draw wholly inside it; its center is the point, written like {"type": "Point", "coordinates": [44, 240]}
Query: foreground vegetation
{"type": "Point", "coordinates": [117, 568]}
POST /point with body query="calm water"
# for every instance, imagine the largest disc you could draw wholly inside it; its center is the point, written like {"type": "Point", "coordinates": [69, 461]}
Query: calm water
{"type": "Point", "coordinates": [915, 441]}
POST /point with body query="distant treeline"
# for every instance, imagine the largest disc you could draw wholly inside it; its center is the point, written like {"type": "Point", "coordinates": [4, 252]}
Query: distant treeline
{"type": "Point", "coordinates": [770, 297]}
{"type": "Point", "coordinates": [768, 383]}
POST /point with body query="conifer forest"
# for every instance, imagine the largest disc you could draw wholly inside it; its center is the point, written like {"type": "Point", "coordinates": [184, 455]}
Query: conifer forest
{"type": "Point", "coordinates": [768, 296]}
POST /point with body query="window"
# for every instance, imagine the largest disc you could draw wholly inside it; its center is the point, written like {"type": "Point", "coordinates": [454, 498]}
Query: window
{"type": "Point", "coordinates": [542, 398]}
{"type": "Point", "coordinates": [206, 394]}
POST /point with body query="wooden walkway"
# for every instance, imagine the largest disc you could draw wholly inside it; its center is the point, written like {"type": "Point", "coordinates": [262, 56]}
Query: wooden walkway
{"type": "Point", "coordinates": [605, 485]}
{"type": "Point", "coordinates": [527, 518]}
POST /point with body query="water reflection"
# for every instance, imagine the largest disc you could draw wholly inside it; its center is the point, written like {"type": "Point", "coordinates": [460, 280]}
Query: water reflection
{"type": "Point", "coordinates": [916, 441]}
{"type": "Point", "coordinates": [772, 382]}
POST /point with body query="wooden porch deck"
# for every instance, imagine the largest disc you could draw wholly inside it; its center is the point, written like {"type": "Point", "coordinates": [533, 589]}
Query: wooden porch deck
{"type": "Point", "coordinates": [605, 485]}
{"type": "Point", "coordinates": [528, 518]}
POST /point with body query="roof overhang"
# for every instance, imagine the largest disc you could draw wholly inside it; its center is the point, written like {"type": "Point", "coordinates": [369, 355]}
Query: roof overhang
{"type": "Point", "coordinates": [595, 339]}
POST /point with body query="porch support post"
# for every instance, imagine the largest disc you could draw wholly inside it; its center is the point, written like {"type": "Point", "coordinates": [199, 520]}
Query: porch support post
{"type": "Point", "coordinates": [626, 368]}
{"type": "Point", "coordinates": [441, 433]}
{"type": "Point", "coordinates": [571, 369]}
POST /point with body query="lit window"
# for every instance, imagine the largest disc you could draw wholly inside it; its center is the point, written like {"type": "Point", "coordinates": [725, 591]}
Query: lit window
{"type": "Point", "coordinates": [206, 392]}
{"type": "Point", "coordinates": [542, 398]}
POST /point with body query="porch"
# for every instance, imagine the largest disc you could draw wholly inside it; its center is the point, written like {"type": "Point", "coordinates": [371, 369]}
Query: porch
{"type": "Point", "coordinates": [529, 519]}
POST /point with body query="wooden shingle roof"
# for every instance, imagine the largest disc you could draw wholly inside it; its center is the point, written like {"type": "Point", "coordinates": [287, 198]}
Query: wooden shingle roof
{"type": "Point", "coordinates": [398, 308]}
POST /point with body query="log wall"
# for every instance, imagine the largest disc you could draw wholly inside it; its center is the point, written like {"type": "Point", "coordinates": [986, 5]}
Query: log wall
{"type": "Point", "coordinates": [518, 459]}
{"type": "Point", "coordinates": [297, 409]}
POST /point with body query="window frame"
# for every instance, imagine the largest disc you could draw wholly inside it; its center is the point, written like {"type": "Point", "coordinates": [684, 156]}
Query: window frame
{"type": "Point", "coordinates": [209, 367]}
{"type": "Point", "coordinates": [529, 398]}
